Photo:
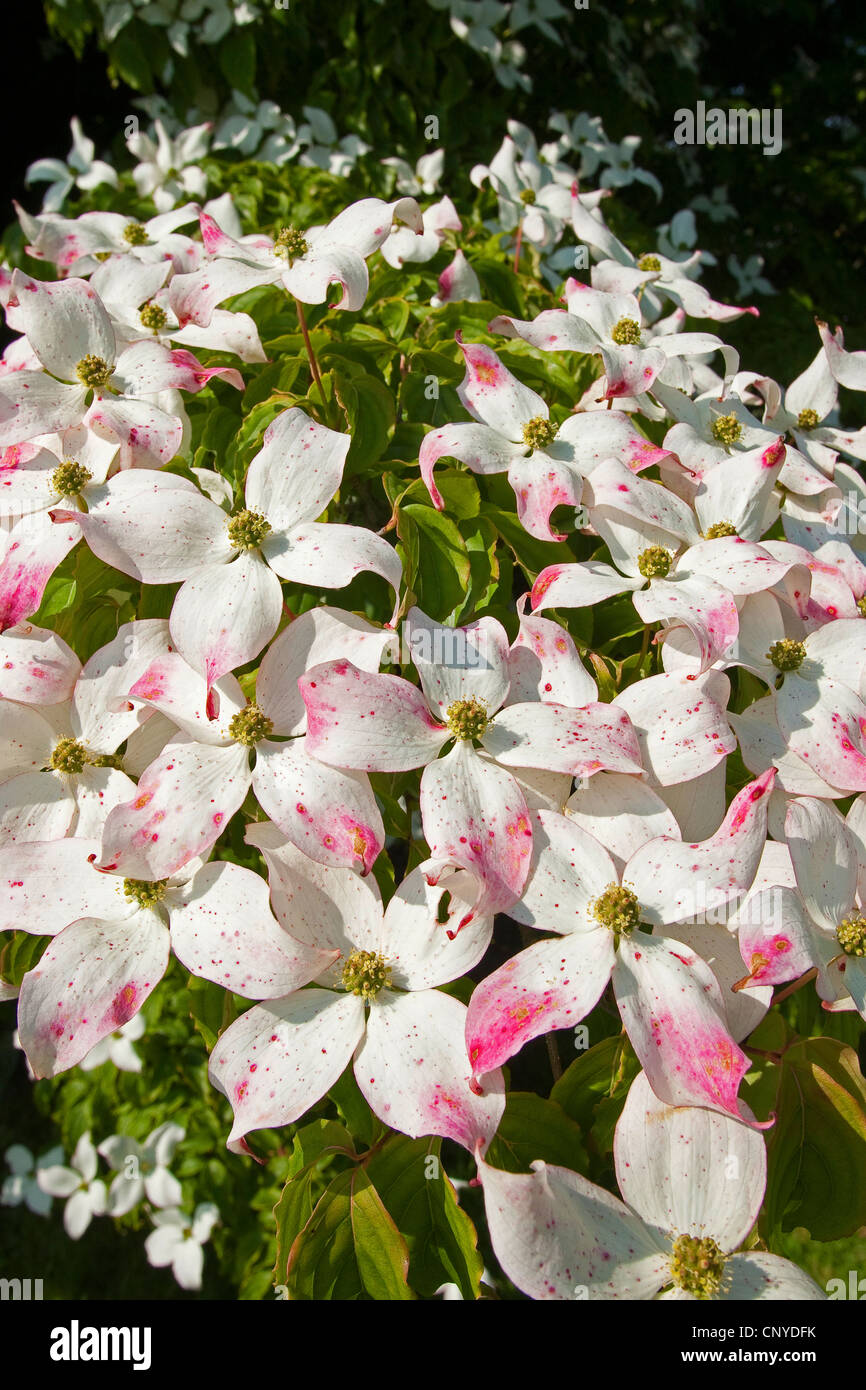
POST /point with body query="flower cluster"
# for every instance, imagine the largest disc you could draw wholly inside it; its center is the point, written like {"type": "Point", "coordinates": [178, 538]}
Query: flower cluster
{"type": "Point", "coordinates": [395, 778]}
{"type": "Point", "coordinates": [141, 1174]}
{"type": "Point", "coordinates": [168, 155]}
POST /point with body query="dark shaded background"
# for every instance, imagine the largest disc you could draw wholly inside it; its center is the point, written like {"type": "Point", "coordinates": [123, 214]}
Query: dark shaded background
{"type": "Point", "coordinates": [380, 69]}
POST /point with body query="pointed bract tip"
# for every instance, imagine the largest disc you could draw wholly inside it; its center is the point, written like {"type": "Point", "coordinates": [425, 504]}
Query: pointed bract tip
{"type": "Point", "coordinates": [760, 1124]}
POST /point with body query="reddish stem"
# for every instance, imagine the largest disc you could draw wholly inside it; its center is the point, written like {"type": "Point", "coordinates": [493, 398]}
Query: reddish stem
{"type": "Point", "coordinates": [798, 984]}
{"type": "Point", "coordinates": [314, 366]}
{"type": "Point", "coordinates": [517, 247]}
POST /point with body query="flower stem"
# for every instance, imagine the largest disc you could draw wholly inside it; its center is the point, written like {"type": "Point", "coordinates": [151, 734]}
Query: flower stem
{"type": "Point", "coordinates": [553, 1057]}
{"type": "Point", "coordinates": [314, 366]}
{"type": "Point", "coordinates": [517, 247]}
{"type": "Point", "coordinates": [798, 984]}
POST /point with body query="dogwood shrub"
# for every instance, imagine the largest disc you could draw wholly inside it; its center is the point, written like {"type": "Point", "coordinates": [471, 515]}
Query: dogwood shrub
{"type": "Point", "coordinates": [433, 705]}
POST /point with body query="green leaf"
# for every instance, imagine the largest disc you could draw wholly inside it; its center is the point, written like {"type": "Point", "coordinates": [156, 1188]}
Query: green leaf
{"type": "Point", "coordinates": [394, 313]}
{"type": "Point", "coordinates": [274, 377]}
{"type": "Point", "coordinates": [479, 533]}
{"type": "Point", "coordinates": [221, 426]}
{"type": "Point", "coordinates": [359, 1118]}
{"type": "Point", "coordinates": [438, 570]}
{"type": "Point", "coordinates": [60, 592]}
{"type": "Point", "coordinates": [237, 60]}
{"type": "Point", "coordinates": [772, 1033]}
{"type": "Point", "coordinates": [614, 620]}
{"type": "Point", "coordinates": [381, 1251]}
{"type": "Point", "coordinates": [441, 1239]}
{"type": "Point", "coordinates": [211, 1009]}
{"type": "Point", "coordinates": [459, 492]}
{"type": "Point", "coordinates": [348, 1247]}
{"type": "Point", "coordinates": [500, 284]}
{"type": "Point", "coordinates": [21, 952]}
{"type": "Point", "coordinates": [321, 1262]}
{"type": "Point", "coordinates": [128, 59]}
{"type": "Point", "coordinates": [544, 373]}
{"type": "Point", "coordinates": [816, 1151]}
{"type": "Point", "coordinates": [370, 410]}
{"type": "Point", "coordinates": [593, 1076]}
{"type": "Point", "coordinates": [389, 787]}
{"type": "Point", "coordinates": [291, 1214]}
{"type": "Point", "coordinates": [312, 1140]}
{"type": "Point", "coordinates": [248, 440]}
{"type": "Point", "coordinates": [605, 681]}
{"type": "Point", "coordinates": [532, 554]}
{"type": "Point", "coordinates": [101, 600]}
{"type": "Point", "coordinates": [157, 600]}
{"type": "Point", "coordinates": [297, 1199]}
{"type": "Point", "coordinates": [436, 364]}
{"type": "Point", "coordinates": [531, 1128]}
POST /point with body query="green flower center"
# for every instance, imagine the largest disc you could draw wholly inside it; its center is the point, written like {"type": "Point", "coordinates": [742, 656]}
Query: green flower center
{"type": "Point", "coordinates": [153, 317]}
{"type": "Point", "coordinates": [697, 1266]}
{"type": "Point", "coordinates": [290, 244]}
{"type": "Point", "coordinates": [808, 419]}
{"type": "Point", "coordinates": [467, 719]}
{"type": "Point", "coordinates": [538, 432]}
{"type": "Point", "coordinates": [648, 262]}
{"type": "Point", "coordinates": [69, 478]}
{"type": "Point", "coordinates": [655, 562]}
{"type": "Point", "coordinates": [93, 371]}
{"type": "Point", "coordinates": [527, 196]}
{"type": "Point", "coordinates": [861, 604]}
{"type": "Point", "coordinates": [250, 725]}
{"type": "Point", "coordinates": [626, 331]}
{"type": "Point", "coordinates": [851, 935]}
{"type": "Point", "coordinates": [134, 234]}
{"type": "Point", "coordinates": [247, 530]}
{"type": "Point", "coordinates": [726, 429]}
{"type": "Point", "coordinates": [719, 528]}
{"type": "Point", "coordinates": [69, 756]}
{"type": "Point", "coordinates": [365, 973]}
{"type": "Point", "coordinates": [143, 891]}
{"type": "Point", "coordinates": [618, 909]}
{"type": "Point", "coordinates": [787, 655]}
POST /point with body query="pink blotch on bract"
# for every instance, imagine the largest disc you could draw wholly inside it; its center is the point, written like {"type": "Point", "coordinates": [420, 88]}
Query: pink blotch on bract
{"type": "Point", "coordinates": [543, 583]}
{"type": "Point", "coordinates": [773, 453]}
{"type": "Point", "coordinates": [712, 1062]}
{"type": "Point", "coordinates": [506, 1032]}
{"type": "Point", "coordinates": [745, 799]}
{"type": "Point", "coordinates": [124, 1005]}
{"type": "Point", "coordinates": [10, 457]}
